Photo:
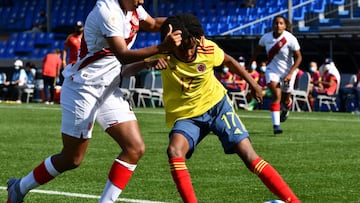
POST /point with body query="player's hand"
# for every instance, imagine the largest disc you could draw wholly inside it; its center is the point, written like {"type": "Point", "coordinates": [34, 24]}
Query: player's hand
{"type": "Point", "coordinates": [157, 64]}
{"type": "Point", "coordinates": [172, 40]}
{"type": "Point", "coordinates": [257, 93]}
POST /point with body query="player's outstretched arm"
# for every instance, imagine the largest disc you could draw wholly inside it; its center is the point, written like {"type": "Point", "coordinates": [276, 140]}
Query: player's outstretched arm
{"type": "Point", "coordinates": [119, 47]}
{"type": "Point", "coordinates": [133, 68]}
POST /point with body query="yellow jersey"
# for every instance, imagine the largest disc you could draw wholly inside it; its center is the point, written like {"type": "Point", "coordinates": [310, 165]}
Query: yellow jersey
{"type": "Point", "coordinates": [191, 89]}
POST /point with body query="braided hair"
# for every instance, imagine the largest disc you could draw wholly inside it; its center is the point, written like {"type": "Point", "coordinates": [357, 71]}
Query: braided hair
{"type": "Point", "coordinates": [187, 23]}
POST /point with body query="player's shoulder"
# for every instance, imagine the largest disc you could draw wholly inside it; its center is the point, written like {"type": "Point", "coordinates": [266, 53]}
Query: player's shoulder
{"type": "Point", "coordinates": [208, 44]}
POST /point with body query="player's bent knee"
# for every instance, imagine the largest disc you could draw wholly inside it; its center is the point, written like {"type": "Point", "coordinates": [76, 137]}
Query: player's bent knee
{"type": "Point", "coordinates": [174, 152]}
{"type": "Point", "coordinates": [135, 153]}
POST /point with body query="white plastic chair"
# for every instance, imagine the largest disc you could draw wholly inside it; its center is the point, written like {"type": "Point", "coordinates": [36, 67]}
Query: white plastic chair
{"type": "Point", "coordinates": [127, 87]}
{"type": "Point", "coordinates": [148, 91]}
{"type": "Point", "coordinates": [329, 100]}
{"type": "Point", "coordinates": [239, 98]}
{"type": "Point", "coordinates": [301, 93]}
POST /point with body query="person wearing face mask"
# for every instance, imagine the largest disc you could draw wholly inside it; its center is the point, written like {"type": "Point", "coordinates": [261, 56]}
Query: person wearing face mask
{"type": "Point", "coordinates": [330, 78]}
{"type": "Point", "coordinates": [315, 80]}
{"type": "Point", "coordinates": [255, 75]}
{"type": "Point", "coordinates": [253, 72]}
{"type": "Point", "coordinates": [72, 47]}
{"type": "Point", "coordinates": [315, 74]}
{"type": "Point", "coordinates": [262, 82]}
{"type": "Point", "coordinates": [17, 83]}
{"type": "Point", "coordinates": [238, 83]}
{"type": "Point", "coordinates": [229, 80]}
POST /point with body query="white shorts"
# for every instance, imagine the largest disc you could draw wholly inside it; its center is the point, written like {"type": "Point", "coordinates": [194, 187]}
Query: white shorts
{"type": "Point", "coordinates": [277, 77]}
{"type": "Point", "coordinates": [83, 104]}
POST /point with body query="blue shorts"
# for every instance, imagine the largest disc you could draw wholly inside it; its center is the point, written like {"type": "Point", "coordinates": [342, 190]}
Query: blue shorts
{"type": "Point", "coordinates": [221, 119]}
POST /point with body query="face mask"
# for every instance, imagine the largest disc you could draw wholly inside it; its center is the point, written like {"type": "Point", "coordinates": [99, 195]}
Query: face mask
{"type": "Point", "coordinates": [312, 69]}
{"type": "Point", "coordinates": [263, 69]}
{"type": "Point", "coordinates": [253, 66]}
{"type": "Point", "coordinates": [225, 70]}
{"type": "Point", "coordinates": [17, 67]}
{"type": "Point", "coordinates": [242, 64]}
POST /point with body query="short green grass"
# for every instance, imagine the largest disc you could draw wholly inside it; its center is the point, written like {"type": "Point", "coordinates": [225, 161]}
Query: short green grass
{"type": "Point", "coordinates": [318, 155]}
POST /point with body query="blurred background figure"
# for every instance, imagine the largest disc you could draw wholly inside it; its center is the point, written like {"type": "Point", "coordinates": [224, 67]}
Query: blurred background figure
{"type": "Point", "coordinates": [315, 79]}
{"type": "Point", "coordinates": [330, 78]}
{"type": "Point", "coordinates": [30, 70]}
{"type": "Point", "coordinates": [253, 72]}
{"type": "Point", "coordinates": [16, 85]}
{"type": "Point", "coordinates": [72, 47]}
{"type": "Point", "coordinates": [349, 91]}
{"type": "Point", "coordinates": [50, 71]}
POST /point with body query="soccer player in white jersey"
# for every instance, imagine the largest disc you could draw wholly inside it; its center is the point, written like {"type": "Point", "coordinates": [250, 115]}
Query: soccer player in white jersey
{"type": "Point", "coordinates": [281, 48]}
{"type": "Point", "coordinates": [91, 92]}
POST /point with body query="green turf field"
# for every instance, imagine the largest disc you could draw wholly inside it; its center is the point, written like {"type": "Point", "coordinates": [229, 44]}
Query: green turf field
{"type": "Point", "coordinates": [318, 155]}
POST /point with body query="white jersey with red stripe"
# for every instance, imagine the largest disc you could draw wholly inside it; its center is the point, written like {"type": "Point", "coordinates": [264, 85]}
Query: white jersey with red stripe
{"type": "Point", "coordinates": [279, 51]}
{"type": "Point", "coordinates": [107, 19]}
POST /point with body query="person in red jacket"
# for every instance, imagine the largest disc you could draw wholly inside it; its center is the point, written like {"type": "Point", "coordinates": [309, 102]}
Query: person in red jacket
{"type": "Point", "coordinates": [50, 71]}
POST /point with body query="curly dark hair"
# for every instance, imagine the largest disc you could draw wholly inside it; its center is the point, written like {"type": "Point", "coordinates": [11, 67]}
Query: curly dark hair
{"type": "Point", "coordinates": [187, 23]}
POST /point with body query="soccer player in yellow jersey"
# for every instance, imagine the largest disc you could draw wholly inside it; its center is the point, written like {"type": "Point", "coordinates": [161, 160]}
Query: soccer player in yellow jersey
{"type": "Point", "coordinates": [196, 104]}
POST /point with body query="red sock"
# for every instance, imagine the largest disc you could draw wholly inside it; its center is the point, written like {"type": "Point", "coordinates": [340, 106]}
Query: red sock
{"type": "Point", "coordinates": [273, 181]}
{"type": "Point", "coordinates": [41, 174]}
{"type": "Point", "coordinates": [119, 175]}
{"type": "Point", "coordinates": [182, 179]}
{"type": "Point", "coordinates": [275, 107]}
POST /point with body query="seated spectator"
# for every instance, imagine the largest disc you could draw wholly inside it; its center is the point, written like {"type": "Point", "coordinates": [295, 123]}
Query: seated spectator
{"type": "Point", "coordinates": [17, 83]}
{"type": "Point", "coordinates": [262, 82]}
{"type": "Point", "coordinates": [262, 79]}
{"type": "Point", "coordinates": [350, 90]}
{"type": "Point", "coordinates": [3, 89]}
{"type": "Point", "coordinates": [253, 72]}
{"type": "Point", "coordinates": [315, 75]}
{"type": "Point", "coordinates": [330, 79]}
{"type": "Point", "coordinates": [315, 80]}
{"type": "Point", "coordinates": [30, 70]}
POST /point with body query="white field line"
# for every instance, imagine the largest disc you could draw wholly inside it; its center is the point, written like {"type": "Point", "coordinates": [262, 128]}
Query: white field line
{"type": "Point", "coordinates": [356, 119]}
{"type": "Point", "coordinates": [50, 192]}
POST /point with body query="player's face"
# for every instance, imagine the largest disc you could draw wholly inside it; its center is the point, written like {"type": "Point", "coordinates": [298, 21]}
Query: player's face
{"type": "Point", "coordinates": [279, 25]}
{"type": "Point", "coordinates": [138, 3]}
{"type": "Point", "coordinates": [130, 5]}
{"type": "Point", "coordinates": [187, 50]}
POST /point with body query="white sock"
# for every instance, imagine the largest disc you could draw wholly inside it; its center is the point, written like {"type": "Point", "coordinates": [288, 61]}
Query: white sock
{"type": "Point", "coordinates": [275, 116]}
{"type": "Point", "coordinates": [110, 193]}
{"type": "Point", "coordinates": [28, 182]}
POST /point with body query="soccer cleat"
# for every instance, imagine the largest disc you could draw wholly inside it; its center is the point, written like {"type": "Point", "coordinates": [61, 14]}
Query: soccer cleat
{"type": "Point", "coordinates": [14, 194]}
{"type": "Point", "coordinates": [284, 115]}
{"type": "Point", "coordinates": [277, 129]}
{"type": "Point", "coordinates": [285, 112]}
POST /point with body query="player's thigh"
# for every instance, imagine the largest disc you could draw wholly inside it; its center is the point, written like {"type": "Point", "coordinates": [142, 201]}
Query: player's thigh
{"type": "Point", "coordinates": [228, 126]}
{"type": "Point", "coordinates": [79, 106]}
{"type": "Point", "coordinates": [117, 118]}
